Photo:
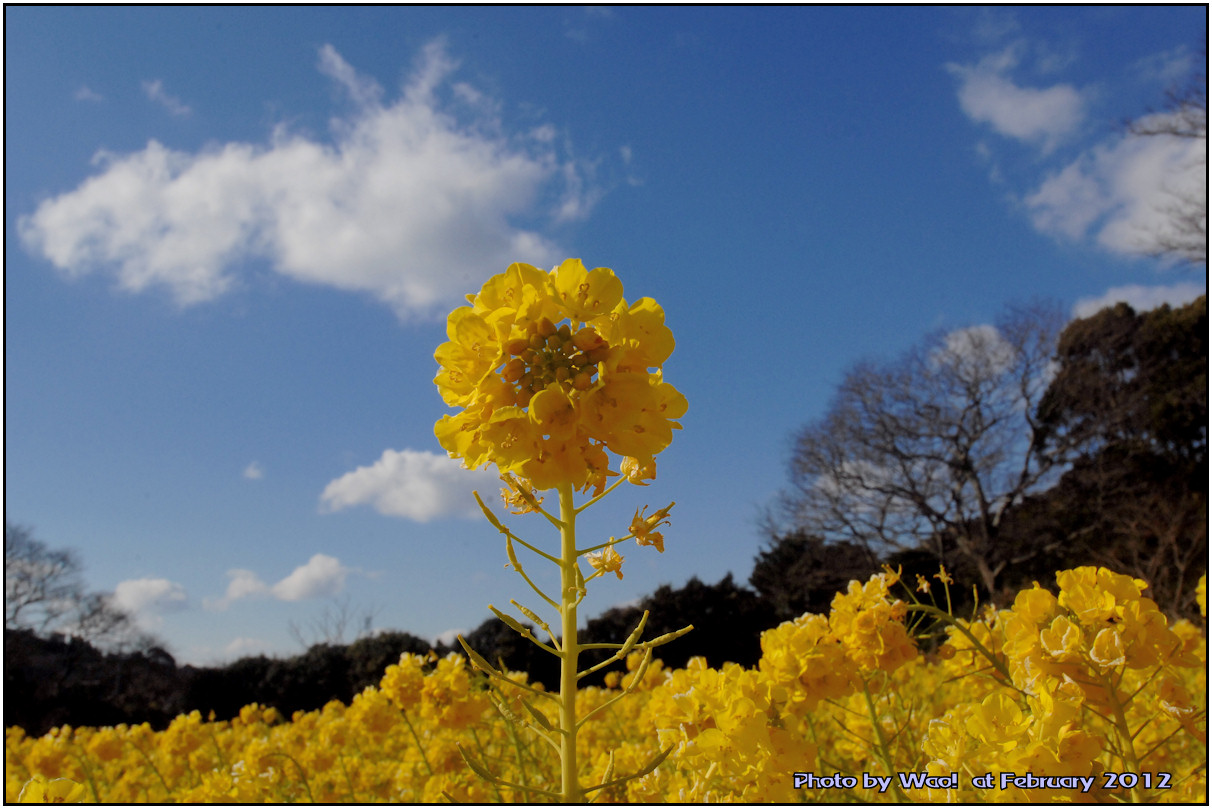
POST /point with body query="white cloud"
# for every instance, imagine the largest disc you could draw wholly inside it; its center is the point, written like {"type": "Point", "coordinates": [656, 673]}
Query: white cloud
{"type": "Point", "coordinates": [241, 584]}
{"type": "Point", "coordinates": [450, 637]}
{"type": "Point", "coordinates": [147, 599]}
{"type": "Point", "coordinates": [154, 90]}
{"type": "Point", "coordinates": [254, 471]}
{"type": "Point", "coordinates": [1142, 298]}
{"type": "Point", "coordinates": [1120, 192]}
{"type": "Point", "coordinates": [244, 583]}
{"type": "Point", "coordinates": [412, 201]}
{"type": "Point", "coordinates": [322, 576]}
{"type": "Point", "coordinates": [409, 483]}
{"type": "Point", "coordinates": [978, 352]}
{"type": "Point", "coordinates": [1041, 116]}
{"type": "Point", "coordinates": [87, 94]}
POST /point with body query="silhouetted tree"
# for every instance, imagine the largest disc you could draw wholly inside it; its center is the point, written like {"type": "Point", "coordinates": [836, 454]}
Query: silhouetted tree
{"type": "Point", "coordinates": [496, 642]}
{"type": "Point", "coordinates": [370, 656]}
{"type": "Point", "coordinates": [1128, 409]}
{"type": "Point", "coordinates": [44, 592]}
{"type": "Point", "coordinates": [799, 573]}
{"type": "Point", "coordinates": [728, 621]}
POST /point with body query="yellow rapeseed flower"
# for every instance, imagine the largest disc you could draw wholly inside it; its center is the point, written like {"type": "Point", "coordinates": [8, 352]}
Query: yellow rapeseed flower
{"type": "Point", "coordinates": [643, 527]}
{"type": "Point", "coordinates": [551, 370]}
{"type": "Point", "coordinates": [607, 560]}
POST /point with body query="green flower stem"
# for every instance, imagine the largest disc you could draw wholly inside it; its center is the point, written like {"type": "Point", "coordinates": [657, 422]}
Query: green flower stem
{"type": "Point", "coordinates": [513, 560]}
{"type": "Point", "coordinates": [882, 747]}
{"type": "Point", "coordinates": [88, 776]}
{"type": "Point", "coordinates": [167, 792]}
{"type": "Point", "coordinates": [1127, 742]}
{"type": "Point", "coordinates": [948, 618]}
{"type": "Point", "coordinates": [484, 757]}
{"type": "Point", "coordinates": [302, 773]}
{"type": "Point", "coordinates": [607, 544]}
{"type": "Point", "coordinates": [570, 584]}
{"type": "Point", "coordinates": [417, 739]}
{"type": "Point", "coordinates": [610, 489]}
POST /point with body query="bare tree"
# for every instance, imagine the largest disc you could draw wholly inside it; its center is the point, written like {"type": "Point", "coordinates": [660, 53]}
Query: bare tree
{"type": "Point", "coordinates": [332, 625]}
{"type": "Point", "coordinates": [43, 592]}
{"type": "Point", "coordinates": [40, 585]}
{"type": "Point", "coordinates": [933, 448]}
{"type": "Point", "coordinates": [1185, 117]}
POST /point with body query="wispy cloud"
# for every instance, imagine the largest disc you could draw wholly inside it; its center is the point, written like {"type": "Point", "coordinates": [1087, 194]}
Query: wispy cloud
{"type": "Point", "coordinates": [87, 94]}
{"type": "Point", "coordinates": [450, 637]}
{"type": "Point", "coordinates": [1041, 116]}
{"type": "Point", "coordinates": [148, 599]}
{"type": "Point", "coordinates": [975, 351]}
{"type": "Point", "coordinates": [1120, 192]}
{"type": "Point", "coordinates": [578, 29]}
{"type": "Point", "coordinates": [410, 201]}
{"type": "Point", "coordinates": [1167, 68]}
{"type": "Point", "coordinates": [154, 90]}
{"type": "Point", "coordinates": [254, 471]}
{"type": "Point", "coordinates": [1142, 298]}
{"type": "Point", "coordinates": [408, 483]}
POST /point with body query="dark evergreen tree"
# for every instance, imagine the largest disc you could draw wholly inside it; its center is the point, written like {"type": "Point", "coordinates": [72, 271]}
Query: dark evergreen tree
{"type": "Point", "coordinates": [799, 573]}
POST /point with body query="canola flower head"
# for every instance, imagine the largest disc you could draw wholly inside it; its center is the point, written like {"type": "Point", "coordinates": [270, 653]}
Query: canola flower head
{"type": "Point", "coordinates": [552, 370]}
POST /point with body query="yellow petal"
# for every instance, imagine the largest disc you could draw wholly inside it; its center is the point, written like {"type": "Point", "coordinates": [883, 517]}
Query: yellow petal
{"type": "Point", "coordinates": [586, 295]}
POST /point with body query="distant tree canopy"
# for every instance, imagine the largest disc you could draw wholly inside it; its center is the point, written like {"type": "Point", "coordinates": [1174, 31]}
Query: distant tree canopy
{"type": "Point", "coordinates": [728, 621]}
{"type": "Point", "coordinates": [1128, 413]}
{"type": "Point", "coordinates": [799, 573]}
{"type": "Point", "coordinates": [1133, 382]}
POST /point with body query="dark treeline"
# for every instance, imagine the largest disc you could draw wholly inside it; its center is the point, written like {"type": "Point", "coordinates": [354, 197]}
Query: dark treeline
{"type": "Point", "coordinates": [54, 681]}
{"type": "Point", "coordinates": [1122, 423]}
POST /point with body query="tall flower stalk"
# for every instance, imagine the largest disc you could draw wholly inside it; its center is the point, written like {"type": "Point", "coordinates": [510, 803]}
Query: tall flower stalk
{"type": "Point", "coordinates": [555, 372]}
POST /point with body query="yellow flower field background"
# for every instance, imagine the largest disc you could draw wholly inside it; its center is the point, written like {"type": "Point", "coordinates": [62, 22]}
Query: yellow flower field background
{"type": "Point", "coordinates": [1090, 683]}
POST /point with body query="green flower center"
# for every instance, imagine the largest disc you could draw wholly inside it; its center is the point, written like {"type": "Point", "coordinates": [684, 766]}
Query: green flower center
{"type": "Point", "coordinates": [549, 353]}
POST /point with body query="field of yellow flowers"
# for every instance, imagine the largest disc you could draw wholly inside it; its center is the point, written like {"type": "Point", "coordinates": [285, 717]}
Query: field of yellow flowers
{"type": "Point", "coordinates": [1089, 695]}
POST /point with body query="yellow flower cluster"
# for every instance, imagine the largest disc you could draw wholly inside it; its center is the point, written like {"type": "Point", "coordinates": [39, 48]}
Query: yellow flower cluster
{"type": "Point", "coordinates": [828, 657]}
{"type": "Point", "coordinates": [552, 370]}
{"type": "Point", "coordinates": [1066, 688]}
{"type": "Point", "coordinates": [1092, 680]}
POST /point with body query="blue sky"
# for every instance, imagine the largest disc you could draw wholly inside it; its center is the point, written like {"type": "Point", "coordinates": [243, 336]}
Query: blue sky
{"type": "Point", "coordinates": [233, 234]}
